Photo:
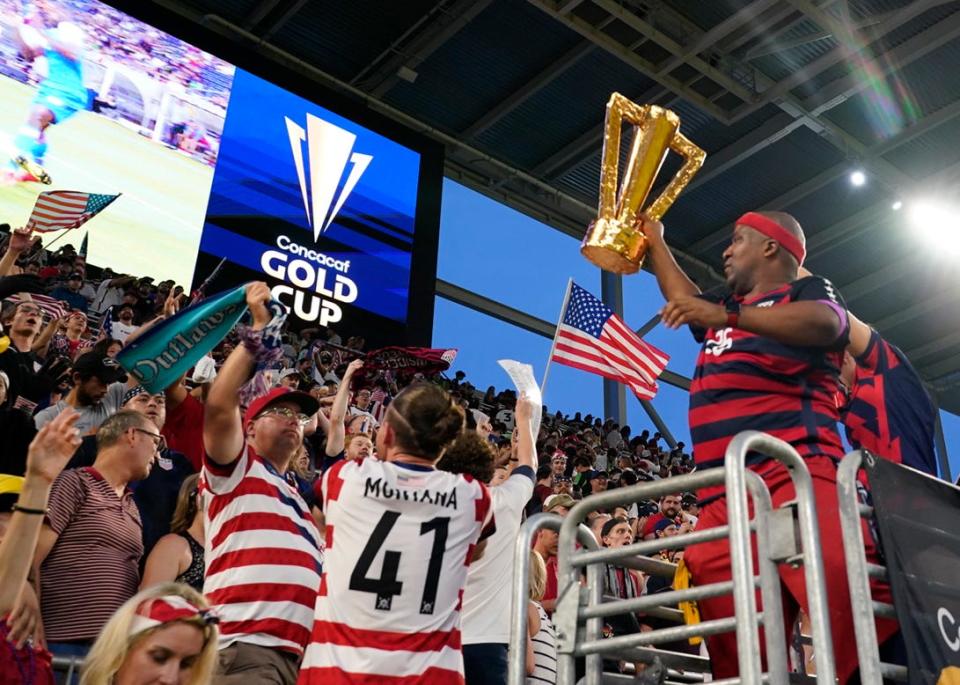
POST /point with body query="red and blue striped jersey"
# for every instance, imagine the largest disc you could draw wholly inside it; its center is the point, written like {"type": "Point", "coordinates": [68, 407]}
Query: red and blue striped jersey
{"type": "Point", "coordinates": [744, 381]}
{"type": "Point", "coordinates": [889, 411]}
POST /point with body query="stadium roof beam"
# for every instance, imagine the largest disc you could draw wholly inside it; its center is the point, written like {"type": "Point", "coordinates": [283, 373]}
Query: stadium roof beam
{"type": "Point", "coordinates": [838, 91]}
{"type": "Point", "coordinates": [677, 50]}
{"type": "Point", "coordinates": [780, 202]}
{"type": "Point", "coordinates": [941, 368]}
{"type": "Point", "coordinates": [835, 235]}
{"type": "Point", "coordinates": [424, 38]}
{"type": "Point", "coordinates": [781, 88]}
{"type": "Point", "coordinates": [925, 125]}
{"type": "Point", "coordinates": [839, 137]}
{"type": "Point", "coordinates": [533, 324]}
{"type": "Point", "coordinates": [259, 13]}
{"type": "Point", "coordinates": [769, 132]}
{"type": "Point", "coordinates": [763, 27]}
{"type": "Point", "coordinates": [268, 30]}
{"type": "Point", "coordinates": [529, 89]}
{"type": "Point", "coordinates": [877, 279]}
{"type": "Point", "coordinates": [587, 143]}
{"type": "Point", "coordinates": [718, 32]}
{"type": "Point", "coordinates": [625, 54]}
{"type": "Point", "coordinates": [922, 307]}
{"type": "Point", "coordinates": [773, 48]}
{"type": "Point", "coordinates": [493, 308]}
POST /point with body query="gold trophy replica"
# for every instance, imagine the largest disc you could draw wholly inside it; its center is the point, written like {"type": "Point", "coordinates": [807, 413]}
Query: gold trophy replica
{"type": "Point", "coordinates": [613, 242]}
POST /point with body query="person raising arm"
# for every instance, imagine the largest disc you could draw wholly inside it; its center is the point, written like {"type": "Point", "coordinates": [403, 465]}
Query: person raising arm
{"type": "Point", "coordinates": [49, 452]}
{"type": "Point", "coordinates": [263, 572]}
{"type": "Point", "coordinates": [336, 436]}
{"type": "Point", "coordinates": [755, 263]}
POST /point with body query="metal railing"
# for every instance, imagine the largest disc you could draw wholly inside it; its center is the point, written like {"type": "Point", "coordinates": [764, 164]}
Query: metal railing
{"type": "Point", "coordinates": [517, 666]}
{"type": "Point", "coordinates": [859, 573]}
{"type": "Point", "coordinates": [69, 666]}
{"type": "Point", "coordinates": [579, 612]}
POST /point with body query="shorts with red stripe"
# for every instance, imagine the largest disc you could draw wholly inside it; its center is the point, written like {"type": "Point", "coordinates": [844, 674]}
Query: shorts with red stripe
{"type": "Point", "coordinates": [710, 563]}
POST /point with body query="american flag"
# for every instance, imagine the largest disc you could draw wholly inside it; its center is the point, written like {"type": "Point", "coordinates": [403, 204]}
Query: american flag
{"type": "Point", "coordinates": [57, 210]}
{"type": "Point", "coordinates": [592, 338]}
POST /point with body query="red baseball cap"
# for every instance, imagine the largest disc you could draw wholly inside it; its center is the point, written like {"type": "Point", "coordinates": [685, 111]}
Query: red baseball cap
{"type": "Point", "coordinates": [307, 403]}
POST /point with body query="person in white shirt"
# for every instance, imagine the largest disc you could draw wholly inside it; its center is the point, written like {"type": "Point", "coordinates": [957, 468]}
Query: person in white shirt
{"type": "Point", "coordinates": [110, 293]}
{"type": "Point", "coordinates": [122, 325]}
{"type": "Point", "coordinates": [485, 624]}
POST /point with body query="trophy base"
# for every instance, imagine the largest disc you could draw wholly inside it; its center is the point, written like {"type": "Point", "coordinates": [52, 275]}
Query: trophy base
{"type": "Point", "coordinates": [614, 248]}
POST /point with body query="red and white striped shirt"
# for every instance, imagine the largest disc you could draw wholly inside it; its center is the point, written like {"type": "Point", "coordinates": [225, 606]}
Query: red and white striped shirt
{"type": "Point", "coordinates": [263, 554]}
{"type": "Point", "coordinates": [398, 544]}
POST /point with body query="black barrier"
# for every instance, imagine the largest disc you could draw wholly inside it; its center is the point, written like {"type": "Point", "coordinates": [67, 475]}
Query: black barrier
{"type": "Point", "coordinates": [919, 524]}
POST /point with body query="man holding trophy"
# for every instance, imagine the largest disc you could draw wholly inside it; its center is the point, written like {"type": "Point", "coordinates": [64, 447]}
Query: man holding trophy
{"type": "Point", "coordinates": [772, 348]}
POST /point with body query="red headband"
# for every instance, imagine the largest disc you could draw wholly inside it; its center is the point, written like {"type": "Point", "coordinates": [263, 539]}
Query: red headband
{"type": "Point", "coordinates": [774, 231]}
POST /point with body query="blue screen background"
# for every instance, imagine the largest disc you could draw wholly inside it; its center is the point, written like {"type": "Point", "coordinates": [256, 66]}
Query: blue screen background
{"type": "Point", "coordinates": [256, 176]}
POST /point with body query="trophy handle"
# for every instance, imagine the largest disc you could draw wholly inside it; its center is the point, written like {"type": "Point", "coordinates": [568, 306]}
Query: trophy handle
{"type": "Point", "coordinates": [693, 156]}
{"type": "Point", "coordinates": [618, 109]}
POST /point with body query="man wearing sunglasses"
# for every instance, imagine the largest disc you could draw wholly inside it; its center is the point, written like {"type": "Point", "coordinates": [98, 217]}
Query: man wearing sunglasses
{"type": "Point", "coordinates": [263, 549]}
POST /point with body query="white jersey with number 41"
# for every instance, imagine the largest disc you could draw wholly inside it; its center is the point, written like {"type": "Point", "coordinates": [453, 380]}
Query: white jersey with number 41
{"type": "Point", "coordinates": [399, 541]}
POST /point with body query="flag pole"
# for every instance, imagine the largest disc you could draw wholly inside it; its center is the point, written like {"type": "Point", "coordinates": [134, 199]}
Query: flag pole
{"type": "Point", "coordinates": [553, 345]}
{"type": "Point", "coordinates": [62, 233]}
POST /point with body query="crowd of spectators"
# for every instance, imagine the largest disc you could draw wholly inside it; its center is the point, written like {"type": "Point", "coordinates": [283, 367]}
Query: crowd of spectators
{"type": "Point", "coordinates": [127, 512]}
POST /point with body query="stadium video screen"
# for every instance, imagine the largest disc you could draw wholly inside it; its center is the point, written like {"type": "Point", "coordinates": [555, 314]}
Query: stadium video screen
{"type": "Point", "coordinates": [212, 162]}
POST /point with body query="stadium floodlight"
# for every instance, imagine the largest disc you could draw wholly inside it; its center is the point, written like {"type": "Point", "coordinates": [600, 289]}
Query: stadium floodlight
{"type": "Point", "coordinates": [936, 223]}
{"type": "Point", "coordinates": [897, 205]}
{"type": "Point", "coordinates": [857, 178]}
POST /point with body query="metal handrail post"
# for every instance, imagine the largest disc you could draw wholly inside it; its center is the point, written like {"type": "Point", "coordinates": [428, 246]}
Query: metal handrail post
{"type": "Point", "coordinates": [517, 665]}
{"type": "Point", "coordinates": [774, 633]}
{"type": "Point", "coordinates": [594, 662]}
{"type": "Point", "coordinates": [861, 599]}
{"type": "Point", "coordinates": [754, 441]}
{"type": "Point", "coordinates": [741, 563]}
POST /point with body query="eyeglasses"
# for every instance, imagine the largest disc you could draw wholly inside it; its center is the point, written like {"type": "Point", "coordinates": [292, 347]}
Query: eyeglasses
{"type": "Point", "coordinates": [29, 309]}
{"type": "Point", "coordinates": [160, 442]}
{"type": "Point", "coordinates": [288, 414]}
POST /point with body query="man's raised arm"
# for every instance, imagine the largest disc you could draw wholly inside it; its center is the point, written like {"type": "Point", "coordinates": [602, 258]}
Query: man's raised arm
{"type": "Point", "coordinates": [222, 426]}
{"type": "Point", "coordinates": [526, 442]}
{"type": "Point", "coordinates": [338, 412]}
{"type": "Point", "coordinates": [673, 282]}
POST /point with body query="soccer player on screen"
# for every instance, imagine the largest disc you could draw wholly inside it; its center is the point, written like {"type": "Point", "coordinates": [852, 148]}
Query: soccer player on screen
{"type": "Point", "coordinates": [399, 538]}
{"type": "Point", "coordinates": [58, 55]}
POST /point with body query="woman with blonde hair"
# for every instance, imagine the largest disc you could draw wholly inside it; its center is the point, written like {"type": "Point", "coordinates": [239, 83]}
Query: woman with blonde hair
{"type": "Point", "coordinates": [541, 636]}
{"type": "Point", "coordinates": [164, 634]}
{"type": "Point", "coordinates": [178, 556]}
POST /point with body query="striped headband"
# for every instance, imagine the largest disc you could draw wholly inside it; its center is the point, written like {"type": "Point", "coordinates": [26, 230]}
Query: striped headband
{"type": "Point", "coordinates": [159, 611]}
{"type": "Point", "coordinates": [775, 231]}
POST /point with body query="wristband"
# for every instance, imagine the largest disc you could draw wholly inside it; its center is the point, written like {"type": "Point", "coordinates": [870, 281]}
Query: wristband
{"type": "Point", "coordinates": [733, 313]}
{"type": "Point", "coordinates": [27, 510]}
